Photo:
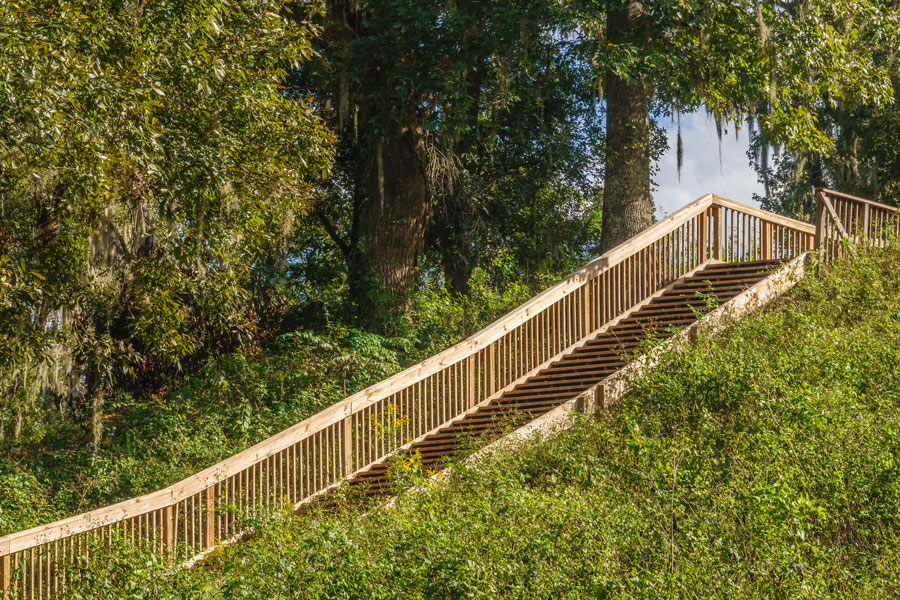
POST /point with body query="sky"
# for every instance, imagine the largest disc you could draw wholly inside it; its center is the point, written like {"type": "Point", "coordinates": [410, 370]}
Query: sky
{"type": "Point", "coordinates": [700, 172]}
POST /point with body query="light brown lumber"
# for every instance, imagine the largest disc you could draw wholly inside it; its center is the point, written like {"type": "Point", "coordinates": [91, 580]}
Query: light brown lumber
{"type": "Point", "coordinates": [610, 390]}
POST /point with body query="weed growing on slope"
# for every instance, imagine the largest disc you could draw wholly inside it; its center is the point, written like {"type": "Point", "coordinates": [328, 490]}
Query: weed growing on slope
{"type": "Point", "coordinates": [759, 462]}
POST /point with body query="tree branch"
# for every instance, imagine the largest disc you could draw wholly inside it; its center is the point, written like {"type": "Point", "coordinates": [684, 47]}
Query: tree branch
{"type": "Point", "coordinates": [333, 233]}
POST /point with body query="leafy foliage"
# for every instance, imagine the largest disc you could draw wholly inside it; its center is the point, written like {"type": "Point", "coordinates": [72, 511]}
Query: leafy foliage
{"type": "Point", "coordinates": [233, 401]}
{"type": "Point", "coordinates": [751, 464]}
{"type": "Point", "coordinates": [147, 180]}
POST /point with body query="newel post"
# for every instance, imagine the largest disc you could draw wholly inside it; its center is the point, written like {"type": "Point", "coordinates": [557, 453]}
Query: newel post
{"type": "Point", "coordinates": [820, 221]}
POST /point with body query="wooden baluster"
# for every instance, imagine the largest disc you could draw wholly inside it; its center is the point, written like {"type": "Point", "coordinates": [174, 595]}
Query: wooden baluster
{"type": "Point", "coordinates": [5, 575]}
{"type": "Point", "coordinates": [747, 253]}
{"type": "Point", "coordinates": [169, 533]}
{"type": "Point", "coordinates": [766, 242]}
{"type": "Point", "coordinates": [701, 238]}
{"type": "Point", "coordinates": [346, 438]}
{"type": "Point", "coordinates": [40, 571]}
{"type": "Point", "coordinates": [717, 232]}
{"type": "Point", "coordinates": [296, 492]}
{"type": "Point", "coordinates": [470, 381]}
{"type": "Point", "coordinates": [865, 220]}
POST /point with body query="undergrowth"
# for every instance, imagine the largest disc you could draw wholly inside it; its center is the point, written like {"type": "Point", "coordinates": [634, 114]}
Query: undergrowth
{"type": "Point", "coordinates": [236, 401]}
{"type": "Point", "coordinates": [759, 462]}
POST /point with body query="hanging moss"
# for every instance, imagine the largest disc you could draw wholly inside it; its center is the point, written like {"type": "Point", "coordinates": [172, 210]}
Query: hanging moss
{"type": "Point", "coordinates": [680, 150]}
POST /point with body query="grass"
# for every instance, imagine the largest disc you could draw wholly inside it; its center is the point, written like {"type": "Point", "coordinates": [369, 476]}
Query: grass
{"type": "Point", "coordinates": [758, 463]}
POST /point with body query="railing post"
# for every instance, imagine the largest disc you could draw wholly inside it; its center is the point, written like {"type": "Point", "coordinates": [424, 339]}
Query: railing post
{"type": "Point", "coordinates": [702, 242]}
{"type": "Point", "coordinates": [820, 221]}
{"type": "Point", "coordinates": [169, 532]}
{"type": "Point", "coordinates": [346, 434]}
{"type": "Point", "coordinates": [490, 384]}
{"type": "Point", "coordinates": [470, 381]}
{"type": "Point", "coordinates": [867, 218]}
{"type": "Point", "coordinates": [717, 231]}
{"type": "Point", "coordinates": [5, 575]}
{"type": "Point", "coordinates": [766, 241]}
{"type": "Point", "coordinates": [210, 537]}
{"type": "Point", "coordinates": [585, 310]}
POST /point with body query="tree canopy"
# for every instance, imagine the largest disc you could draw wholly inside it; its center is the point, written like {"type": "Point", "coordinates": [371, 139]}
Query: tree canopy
{"type": "Point", "coordinates": [150, 172]}
{"type": "Point", "coordinates": [780, 64]}
{"type": "Point", "coordinates": [181, 180]}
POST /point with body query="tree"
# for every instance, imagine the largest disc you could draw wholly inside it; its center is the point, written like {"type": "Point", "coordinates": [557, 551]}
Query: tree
{"type": "Point", "coordinates": [147, 174]}
{"type": "Point", "coordinates": [419, 93]}
{"type": "Point", "coordinates": [519, 177]}
{"type": "Point", "coordinates": [733, 58]}
{"type": "Point", "coordinates": [863, 160]}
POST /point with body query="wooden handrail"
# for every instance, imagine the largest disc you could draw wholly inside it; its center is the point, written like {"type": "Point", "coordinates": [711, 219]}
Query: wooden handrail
{"type": "Point", "coordinates": [844, 221]}
{"type": "Point", "coordinates": [354, 403]}
{"type": "Point", "coordinates": [312, 455]}
{"type": "Point", "coordinates": [845, 196]}
{"type": "Point", "coordinates": [766, 215]}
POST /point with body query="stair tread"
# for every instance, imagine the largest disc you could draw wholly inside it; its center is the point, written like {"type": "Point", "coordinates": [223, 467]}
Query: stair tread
{"type": "Point", "coordinates": [582, 367]}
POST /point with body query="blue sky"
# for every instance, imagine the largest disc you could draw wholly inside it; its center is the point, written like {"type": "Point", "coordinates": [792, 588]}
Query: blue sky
{"type": "Point", "coordinates": [700, 173]}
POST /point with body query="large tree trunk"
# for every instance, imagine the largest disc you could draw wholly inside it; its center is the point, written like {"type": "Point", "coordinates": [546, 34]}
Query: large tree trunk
{"type": "Point", "coordinates": [394, 221]}
{"type": "Point", "coordinates": [627, 204]}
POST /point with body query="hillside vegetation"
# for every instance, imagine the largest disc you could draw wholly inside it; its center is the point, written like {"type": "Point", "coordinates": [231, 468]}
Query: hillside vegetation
{"type": "Point", "coordinates": [234, 401]}
{"type": "Point", "coordinates": [757, 463]}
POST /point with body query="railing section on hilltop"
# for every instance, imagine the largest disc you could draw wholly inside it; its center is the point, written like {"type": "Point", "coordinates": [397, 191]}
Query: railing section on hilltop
{"type": "Point", "coordinates": [311, 457]}
{"type": "Point", "coordinates": [844, 222]}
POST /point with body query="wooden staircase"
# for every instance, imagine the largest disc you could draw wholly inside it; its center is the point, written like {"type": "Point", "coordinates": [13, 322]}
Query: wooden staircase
{"type": "Point", "coordinates": [536, 362]}
{"type": "Point", "coordinates": [585, 366]}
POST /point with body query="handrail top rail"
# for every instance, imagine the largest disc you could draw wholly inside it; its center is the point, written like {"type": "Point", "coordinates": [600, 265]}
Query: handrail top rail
{"type": "Point", "coordinates": [853, 198]}
{"type": "Point", "coordinates": [763, 214]}
{"type": "Point", "coordinates": [193, 484]}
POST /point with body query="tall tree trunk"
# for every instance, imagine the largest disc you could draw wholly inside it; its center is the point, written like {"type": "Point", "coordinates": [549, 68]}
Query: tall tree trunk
{"type": "Point", "coordinates": [394, 221]}
{"type": "Point", "coordinates": [627, 204]}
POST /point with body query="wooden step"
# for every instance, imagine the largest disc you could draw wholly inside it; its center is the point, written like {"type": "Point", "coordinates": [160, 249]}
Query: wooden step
{"type": "Point", "coordinates": [580, 369]}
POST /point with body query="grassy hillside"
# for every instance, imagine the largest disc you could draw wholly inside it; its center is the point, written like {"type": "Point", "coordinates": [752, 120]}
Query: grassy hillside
{"type": "Point", "coordinates": [234, 402]}
{"type": "Point", "coordinates": [759, 463]}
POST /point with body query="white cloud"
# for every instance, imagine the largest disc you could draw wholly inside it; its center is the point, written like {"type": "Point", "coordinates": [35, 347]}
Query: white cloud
{"type": "Point", "coordinates": [700, 173]}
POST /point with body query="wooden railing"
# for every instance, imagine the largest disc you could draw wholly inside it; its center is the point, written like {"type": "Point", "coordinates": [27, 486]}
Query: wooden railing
{"type": "Point", "coordinates": [844, 222]}
{"type": "Point", "coordinates": [311, 457]}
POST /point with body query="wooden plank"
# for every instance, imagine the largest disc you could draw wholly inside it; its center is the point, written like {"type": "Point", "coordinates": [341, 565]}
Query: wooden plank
{"type": "Point", "coordinates": [209, 530]}
{"type": "Point", "coordinates": [5, 575]}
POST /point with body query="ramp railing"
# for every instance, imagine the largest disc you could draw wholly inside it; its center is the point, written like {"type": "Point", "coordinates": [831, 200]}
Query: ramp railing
{"type": "Point", "coordinates": [190, 517]}
{"type": "Point", "coordinates": [844, 222]}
